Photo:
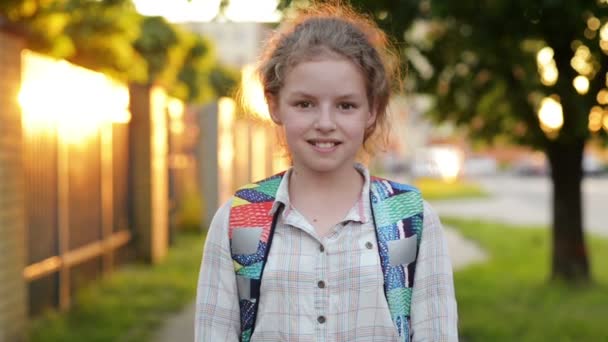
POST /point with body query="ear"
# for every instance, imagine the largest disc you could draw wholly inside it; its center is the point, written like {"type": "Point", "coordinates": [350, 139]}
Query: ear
{"type": "Point", "coordinates": [371, 119]}
{"type": "Point", "coordinates": [273, 108]}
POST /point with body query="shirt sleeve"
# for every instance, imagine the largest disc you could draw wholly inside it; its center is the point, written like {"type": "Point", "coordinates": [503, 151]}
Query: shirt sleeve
{"type": "Point", "coordinates": [217, 306]}
{"type": "Point", "coordinates": [434, 312]}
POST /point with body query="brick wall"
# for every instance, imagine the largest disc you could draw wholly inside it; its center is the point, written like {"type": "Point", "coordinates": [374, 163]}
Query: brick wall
{"type": "Point", "coordinates": [12, 226]}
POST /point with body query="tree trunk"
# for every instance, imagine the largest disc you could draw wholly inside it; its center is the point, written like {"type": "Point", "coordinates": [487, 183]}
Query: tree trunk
{"type": "Point", "coordinates": [569, 261]}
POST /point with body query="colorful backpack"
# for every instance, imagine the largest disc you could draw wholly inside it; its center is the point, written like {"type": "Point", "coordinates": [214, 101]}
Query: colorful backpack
{"type": "Point", "coordinates": [397, 210]}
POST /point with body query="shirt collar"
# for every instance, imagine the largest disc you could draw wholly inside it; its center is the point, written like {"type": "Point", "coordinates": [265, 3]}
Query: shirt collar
{"type": "Point", "coordinates": [358, 213]}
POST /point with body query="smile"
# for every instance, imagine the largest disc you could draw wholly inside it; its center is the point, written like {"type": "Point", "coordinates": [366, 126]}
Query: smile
{"type": "Point", "coordinates": [324, 145]}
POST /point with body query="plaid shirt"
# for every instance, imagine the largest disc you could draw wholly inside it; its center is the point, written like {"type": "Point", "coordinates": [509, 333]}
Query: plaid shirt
{"type": "Point", "coordinates": [325, 288]}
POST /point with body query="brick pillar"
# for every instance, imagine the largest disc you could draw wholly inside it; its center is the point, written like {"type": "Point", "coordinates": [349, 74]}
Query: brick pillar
{"type": "Point", "coordinates": [148, 172]}
{"type": "Point", "coordinates": [13, 293]}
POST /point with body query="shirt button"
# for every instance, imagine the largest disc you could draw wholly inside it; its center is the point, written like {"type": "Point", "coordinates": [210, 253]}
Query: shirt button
{"type": "Point", "coordinates": [321, 284]}
{"type": "Point", "coordinates": [369, 245]}
{"type": "Point", "coordinates": [321, 319]}
{"type": "Point", "coordinates": [321, 248]}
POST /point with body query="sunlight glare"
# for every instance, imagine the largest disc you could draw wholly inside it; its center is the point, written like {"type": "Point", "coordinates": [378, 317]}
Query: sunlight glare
{"type": "Point", "coordinates": [254, 100]}
{"type": "Point", "coordinates": [247, 10]}
{"type": "Point", "coordinates": [604, 32]}
{"type": "Point", "coordinates": [207, 10]}
{"type": "Point", "coordinates": [226, 117]}
{"type": "Point", "coordinates": [593, 23]}
{"type": "Point", "coordinates": [546, 66]}
{"type": "Point", "coordinates": [180, 10]}
{"type": "Point", "coordinates": [581, 84]}
{"type": "Point", "coordinates": [595, 119]}
{"type": "Point", "coordinates": [602, 97]}
{"type": "Point", "coordinates": [544, 56]}
{"type": "Point", "coordinates": [549, 74]}
{"type": "Point", "coordinates": [551, 115]}
{"type": "Point", "coordinates": [56, 94]}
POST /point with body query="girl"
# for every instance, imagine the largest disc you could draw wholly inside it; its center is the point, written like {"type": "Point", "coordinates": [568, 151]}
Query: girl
{"type": "Point", "coordinates": [353, 257]}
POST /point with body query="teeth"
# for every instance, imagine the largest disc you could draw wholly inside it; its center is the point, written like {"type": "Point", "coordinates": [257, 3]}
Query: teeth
{"type": "Point", "coordinates": [325, 144]}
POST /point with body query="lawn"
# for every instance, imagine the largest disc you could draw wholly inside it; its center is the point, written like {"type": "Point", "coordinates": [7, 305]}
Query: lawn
{"type": "Point", "coordinates": [131, 303]}
{"type": "Point", "coordinates": [509, 298]}
{"type": "Point", "coordinates": [437, 189]}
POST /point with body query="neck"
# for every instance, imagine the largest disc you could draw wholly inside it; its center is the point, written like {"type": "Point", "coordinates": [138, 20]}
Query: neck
{"type": "Point", "coordinates": [332, 184]}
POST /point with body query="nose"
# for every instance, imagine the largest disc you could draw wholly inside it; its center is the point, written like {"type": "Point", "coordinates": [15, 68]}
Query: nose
{"type": "Point", "coordinates": [325, 119]}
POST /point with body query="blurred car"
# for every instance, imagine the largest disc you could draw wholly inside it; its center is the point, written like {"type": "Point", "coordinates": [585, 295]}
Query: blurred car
{"type": "Point", "coordinates": [538, 165]}
{"type": "Point", "coordinates": [480, 166]}
{"type": "Point", "coordinates": [593, 166]}
{"type": "Point", "coordinates": [531, 165]}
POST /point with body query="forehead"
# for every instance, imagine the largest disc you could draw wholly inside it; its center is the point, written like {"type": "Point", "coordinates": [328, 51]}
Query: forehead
{"type": "Point", "coordinates": [325, 75]}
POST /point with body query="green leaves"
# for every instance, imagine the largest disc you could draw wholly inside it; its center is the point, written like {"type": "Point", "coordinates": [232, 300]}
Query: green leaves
{"type": "Point", "coordinates": [483, 59]}
{"type": "Point", "coordinates": [109, 36]}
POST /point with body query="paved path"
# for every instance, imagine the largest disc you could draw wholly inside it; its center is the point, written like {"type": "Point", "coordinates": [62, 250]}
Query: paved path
{"type": "Point", "coordinates": [179, 328]}
{"type": "Point", "coordinates": [527, 200]}
{"type": "Point", "coordinates": [463, 252]}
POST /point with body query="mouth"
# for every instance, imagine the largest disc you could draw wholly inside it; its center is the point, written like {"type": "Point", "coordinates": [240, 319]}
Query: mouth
{"type": "Point", "coordinates": [324, 144]}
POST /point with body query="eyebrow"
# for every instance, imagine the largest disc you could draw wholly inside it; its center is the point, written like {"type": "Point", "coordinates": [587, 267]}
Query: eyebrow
{"type": "Point", "coordinates": [308, 95]}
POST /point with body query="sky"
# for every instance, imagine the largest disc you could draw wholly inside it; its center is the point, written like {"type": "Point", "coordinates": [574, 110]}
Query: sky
{"type": "Point", "coordinates": [205, 10]}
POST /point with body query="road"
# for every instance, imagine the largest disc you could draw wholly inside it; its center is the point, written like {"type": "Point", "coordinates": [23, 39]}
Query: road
{"type": "Point", "coordinates": [527, 200]}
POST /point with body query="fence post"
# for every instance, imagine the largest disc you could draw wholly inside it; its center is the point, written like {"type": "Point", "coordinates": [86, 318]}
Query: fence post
{"type": "Point", "coordinates": [208, 160]}
{"type": "Point", "coordinates": [217, 155]}
{"type": "Point", "coordinates": [13, 292]}
{"type": "Point", "coordinates": [148, 172]}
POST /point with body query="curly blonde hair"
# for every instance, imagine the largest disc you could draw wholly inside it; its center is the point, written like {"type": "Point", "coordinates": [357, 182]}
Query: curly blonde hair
{"type": "Point", "coordinates": [334, 30]}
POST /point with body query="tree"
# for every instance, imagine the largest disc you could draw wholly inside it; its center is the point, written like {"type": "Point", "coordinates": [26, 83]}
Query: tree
{"type": "Point", "coordinates": [495, 65]}
{"type": "Point", "coordinates": [109, 36]}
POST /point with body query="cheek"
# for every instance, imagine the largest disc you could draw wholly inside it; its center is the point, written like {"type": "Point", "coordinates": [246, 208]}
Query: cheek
{"type": "Point", "coordinates": [291, 133]}
{"type": "Point", "coordinates": [296, 126]}
{"type": "Point", "coordinates": [356, 129]}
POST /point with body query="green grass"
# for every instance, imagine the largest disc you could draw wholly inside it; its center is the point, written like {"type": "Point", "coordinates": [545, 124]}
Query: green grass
{"type": "Point", "coordinates": [131, 303]}
{"type": "Point", "coordinates": [509, 298]}
{"type": "Point", "coordinates": [437, 189]}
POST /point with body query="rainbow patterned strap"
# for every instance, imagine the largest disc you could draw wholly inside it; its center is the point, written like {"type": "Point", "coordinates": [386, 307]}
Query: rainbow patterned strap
{"type": "Point", "coordinates": [398, 213]}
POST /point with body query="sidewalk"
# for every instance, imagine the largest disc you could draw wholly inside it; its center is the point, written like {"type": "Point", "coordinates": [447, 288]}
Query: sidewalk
{"type": "Point", "coordinates": [180, 327]}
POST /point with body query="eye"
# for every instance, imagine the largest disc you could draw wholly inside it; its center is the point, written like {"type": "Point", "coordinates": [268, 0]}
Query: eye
{"type": "Point", "coordinates": [303, 104]}
{"type": "Point", "coordinates": [347, 106]}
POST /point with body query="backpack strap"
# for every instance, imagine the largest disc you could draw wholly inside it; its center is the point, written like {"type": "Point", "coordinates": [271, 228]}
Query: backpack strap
{"type": "Point", "coordinates": [397, 210]}
{"type": "Point", "coordinates": [250, 231]}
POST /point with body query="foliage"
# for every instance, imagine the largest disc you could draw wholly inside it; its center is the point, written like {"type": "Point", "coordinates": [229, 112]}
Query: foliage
{"type": "Point", "coordinates": [508, 298]}
{"type": "Point", "coordinates": [131, 303]}
{"type": "Point", "coordinates": [194, 73]}
{"type": "Point", "coordinates": [155, 42]}
{"type": "Point", "coordinates": [479, 60]}
{"type": "Point", "coordinates": [490, 66]}
{"type": "Point", "coordinates": [491, 76]}
{"type": "Point", "coordinates": [111, 37]}
{"type": "Point", "coordinates": [224, 80]}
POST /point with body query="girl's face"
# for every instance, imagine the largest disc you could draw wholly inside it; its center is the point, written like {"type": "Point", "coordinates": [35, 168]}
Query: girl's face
{"type": "Point", "coordinates": [324, 110]}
